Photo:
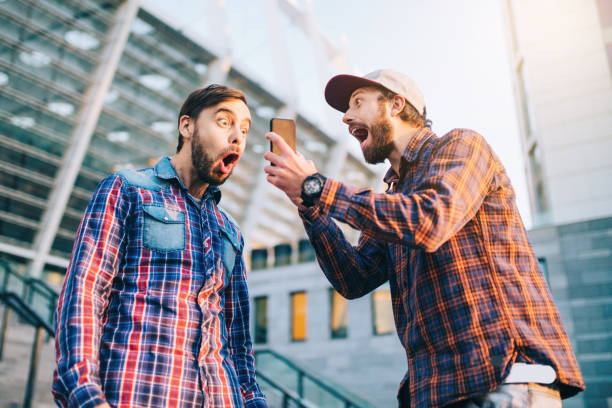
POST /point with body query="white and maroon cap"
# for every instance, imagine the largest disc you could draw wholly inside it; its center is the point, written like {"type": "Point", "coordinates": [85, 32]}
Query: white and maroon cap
{"type": "Point", "coordinates": [339, 89]}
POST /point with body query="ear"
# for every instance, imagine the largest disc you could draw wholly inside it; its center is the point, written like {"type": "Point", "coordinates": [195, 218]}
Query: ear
{"type": "Point", "coordinates": [397, 105]}
{"type": "Point", "coordinates": [186, 126]}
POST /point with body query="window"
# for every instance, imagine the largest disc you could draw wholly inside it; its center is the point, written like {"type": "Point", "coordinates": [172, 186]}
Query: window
{"type": "Point", "coordinates": [537, 180]}
{"type": "Point", "coordinates": [338, 315]}
{"type": "Point", "coordinates": [543, 268]}
{"type": "Point", "coordinates": [299, 303]}
{"type": "Point", "coordinates": [259, 258]}
{"type": "Point", "coordinates": [382, 313]}
{"type": "Point", "coordinates": [261, 319]}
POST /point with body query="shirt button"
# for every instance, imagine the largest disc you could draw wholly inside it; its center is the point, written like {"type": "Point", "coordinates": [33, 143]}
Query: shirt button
{"type": "Point", "coordinates": [206, 244]}
{"type": "Point", "coordinates": [166, 218]}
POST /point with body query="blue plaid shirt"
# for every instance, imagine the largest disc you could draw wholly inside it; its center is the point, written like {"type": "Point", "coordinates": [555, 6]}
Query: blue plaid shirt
{"type": "Point", "coordinates": [154, 310]}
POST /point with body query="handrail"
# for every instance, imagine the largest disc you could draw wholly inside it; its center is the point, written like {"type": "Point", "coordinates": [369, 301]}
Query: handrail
{"type": "Point", "coordinates": [51, 292]}
{"type": "Point", "coordinates": [30, 287]}
{"type": "Point", "coordinates": [348, 398]}
{"type": "Point", "coordinates": [288, 395]}
{"type": "Point", "coordinates": [13, 301]}
{"type": "Point", "coordinates": [24, 311]}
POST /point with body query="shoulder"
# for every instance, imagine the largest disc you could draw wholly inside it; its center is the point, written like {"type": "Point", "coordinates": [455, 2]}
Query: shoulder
{"type": "Point", "coordinates": [461, 141]}
{"type": "Point", "coordinates": [230, 225]}
{"type": "Point", "coordinates": [228, 220]}
{"type": "Point", "coordinates": [143, 178]}
{"type": "Point", "coordinates": [462, 136]}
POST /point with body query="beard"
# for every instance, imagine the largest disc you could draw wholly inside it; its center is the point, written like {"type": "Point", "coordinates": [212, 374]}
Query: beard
{"type": "Point", "coordinates": [382, 141]}
{"type": "Point", "coordinates": [203, 163]}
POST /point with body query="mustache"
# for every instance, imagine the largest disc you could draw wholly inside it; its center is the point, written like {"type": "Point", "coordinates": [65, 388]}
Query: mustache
{"type": "Point", "coordinates": [228, 150]}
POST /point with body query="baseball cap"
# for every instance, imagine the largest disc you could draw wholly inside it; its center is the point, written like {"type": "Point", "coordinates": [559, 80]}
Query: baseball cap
{"type": "Point", "coordinates": [339, 89]}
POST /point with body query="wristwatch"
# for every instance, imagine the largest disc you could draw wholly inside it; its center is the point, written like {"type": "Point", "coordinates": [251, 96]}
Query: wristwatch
{"type": "Point", "coordinates": [312, 187]}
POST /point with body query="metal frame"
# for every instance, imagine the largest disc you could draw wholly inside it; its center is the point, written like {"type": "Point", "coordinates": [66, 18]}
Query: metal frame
{"type": "Point", "coordinates": [82, 133]}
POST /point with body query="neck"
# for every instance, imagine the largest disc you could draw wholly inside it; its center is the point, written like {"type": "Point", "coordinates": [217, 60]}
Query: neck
{"type": "Point", "coordinates": [188, 174]}
{"type": "Point", "coordinates": [404, 135]}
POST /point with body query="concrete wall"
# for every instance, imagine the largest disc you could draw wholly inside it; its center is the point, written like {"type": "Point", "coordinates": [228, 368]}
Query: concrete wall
{"type": "Point", "coordinates": [569, 89]}
{"type": "Point", "coordinates": [578, 257]}
{"type": "Point", "coordinates": [367, 364]}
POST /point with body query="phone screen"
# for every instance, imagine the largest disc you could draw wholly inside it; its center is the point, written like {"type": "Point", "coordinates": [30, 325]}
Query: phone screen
{"type": "Point", "coordinates": [285, 128]}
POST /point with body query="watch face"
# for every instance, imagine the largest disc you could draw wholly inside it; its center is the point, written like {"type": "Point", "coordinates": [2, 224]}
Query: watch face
{"type": "Point", "coordinates": [312, 186]}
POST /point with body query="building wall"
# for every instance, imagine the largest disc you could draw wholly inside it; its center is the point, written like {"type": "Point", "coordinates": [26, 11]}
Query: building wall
{"type": "Point", "coordinates": [369, 365]}
{"type": "Point", "coordinates": [568, 85]}
{"type": "Point", "coordinates": [561, 53]}
{"type": "Point", "coordinates": [578, 259]}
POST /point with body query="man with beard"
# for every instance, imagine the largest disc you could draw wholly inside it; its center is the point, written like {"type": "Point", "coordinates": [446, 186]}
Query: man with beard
{"type": "Point", "coordinates": [471, 307]}
{"type": "Point", "coordinates": [154, 311]}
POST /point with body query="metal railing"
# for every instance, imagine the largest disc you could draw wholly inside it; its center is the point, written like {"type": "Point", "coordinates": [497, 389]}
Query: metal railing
{"type": "Point", "coordinates": [338, 394]}
{"type": "Point", "coordinates": [24, 296]}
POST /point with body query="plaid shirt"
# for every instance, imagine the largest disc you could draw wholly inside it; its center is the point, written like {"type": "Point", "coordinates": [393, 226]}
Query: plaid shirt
{"type": "Point", "coordinates": [152, 312]}
{"type": "Point", "coordinates": [468, 297]}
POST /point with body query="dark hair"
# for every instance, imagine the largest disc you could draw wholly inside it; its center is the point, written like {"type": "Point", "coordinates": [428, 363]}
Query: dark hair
{"type": "Point", "coordinates": [201, 99]}
{"type": "Point", "coordinates": [409, 114]}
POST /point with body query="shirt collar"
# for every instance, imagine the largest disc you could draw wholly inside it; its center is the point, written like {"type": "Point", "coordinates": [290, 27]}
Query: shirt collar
{"type": "Point", "coordinates": [410, 153]}
{"type": "Point", "coordinates": [164, 170]}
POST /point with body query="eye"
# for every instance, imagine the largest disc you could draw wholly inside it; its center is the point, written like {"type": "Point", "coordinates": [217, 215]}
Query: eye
{"type": "Point", "coordinates": [223, 122]}
{"type": "Point", "coordinates": [244, 131]}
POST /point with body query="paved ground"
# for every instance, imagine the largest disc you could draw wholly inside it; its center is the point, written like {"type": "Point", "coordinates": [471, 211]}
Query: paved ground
{"type": "Point", "coordinates": [15, 365]}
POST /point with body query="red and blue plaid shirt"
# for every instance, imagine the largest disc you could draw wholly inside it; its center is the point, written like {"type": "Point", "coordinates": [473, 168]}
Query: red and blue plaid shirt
{"type": "Point", "coordinates": [467, 294]}
{"type": "Point", "coordinates": [155, 311]}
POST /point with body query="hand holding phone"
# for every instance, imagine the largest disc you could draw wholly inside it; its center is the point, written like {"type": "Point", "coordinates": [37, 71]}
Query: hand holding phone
{"type": "Point", "coordinates": [285, 128]}
{"type": "Point", "coordinates": [287, 169]}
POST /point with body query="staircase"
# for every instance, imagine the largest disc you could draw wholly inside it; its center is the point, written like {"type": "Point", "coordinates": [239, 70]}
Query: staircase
{"type": "Point", "coordinates": [276, 372]}
{"type": "Point", "coordinates": [27, 356]}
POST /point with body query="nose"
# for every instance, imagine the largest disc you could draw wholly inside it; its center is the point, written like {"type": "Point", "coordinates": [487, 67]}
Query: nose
{"type": "Point", "coordinates": [347, 118]}
{"type": "Point", "coordinates": [236, 136]}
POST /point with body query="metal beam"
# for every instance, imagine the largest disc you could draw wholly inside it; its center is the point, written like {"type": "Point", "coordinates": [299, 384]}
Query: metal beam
{"type": "Point", "coordinates": [82, 133]}
{"type": "Point", "coordinates": [219, 68]}
{"type": "Point", "coordinates": [280, 54]}
{"type": "Point", "coordinates": [301, 20]}
{"type": "Point", "coordinates": [30, 254]}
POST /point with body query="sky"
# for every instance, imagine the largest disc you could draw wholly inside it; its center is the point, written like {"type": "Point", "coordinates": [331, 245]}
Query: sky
{"type": "Point", "coordinates": [456, 51]}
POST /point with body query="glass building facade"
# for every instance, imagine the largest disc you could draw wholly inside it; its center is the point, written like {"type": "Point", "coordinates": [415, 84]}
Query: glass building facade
{"type": "Point", "coordinates": [50, 52]}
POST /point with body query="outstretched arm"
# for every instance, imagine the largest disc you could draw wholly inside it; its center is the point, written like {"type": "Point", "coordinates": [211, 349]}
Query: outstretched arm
{"type": "Point", "coordinates": [459, 177]}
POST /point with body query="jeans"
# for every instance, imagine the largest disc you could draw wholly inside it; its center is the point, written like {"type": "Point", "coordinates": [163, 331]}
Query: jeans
{"type": "Point", "coordinates": [515, 396]}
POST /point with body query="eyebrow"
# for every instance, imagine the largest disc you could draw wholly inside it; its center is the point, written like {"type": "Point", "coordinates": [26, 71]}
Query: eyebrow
{"type": "Point", "coordinates": [354, 94]}
{"type": "Point", "coordinates": [231, 112]}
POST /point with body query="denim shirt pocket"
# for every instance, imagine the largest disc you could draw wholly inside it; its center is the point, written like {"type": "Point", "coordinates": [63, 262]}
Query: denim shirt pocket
{"type": "Point", "coordinates": [163, 230]}
{"type": "Point", "coordinates": [231, 247]}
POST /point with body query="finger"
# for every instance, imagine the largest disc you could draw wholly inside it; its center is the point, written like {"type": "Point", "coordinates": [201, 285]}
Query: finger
{"type": "Point", "coordinates": [272, 170]}
{"type": "Point", "coordinates": [283, 147]}
{"type": "Point", "coordinates": [273, 158]}
{"type": "Point", "coordinates": [272, 180]}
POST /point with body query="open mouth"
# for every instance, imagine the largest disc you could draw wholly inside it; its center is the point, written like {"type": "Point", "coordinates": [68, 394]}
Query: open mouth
{"type": "Point", "coordinates": [360, 133]}
{"type": "Point", "coordinates": [230, 158]}
{"type": "Point", "coordinates": [228, 161]}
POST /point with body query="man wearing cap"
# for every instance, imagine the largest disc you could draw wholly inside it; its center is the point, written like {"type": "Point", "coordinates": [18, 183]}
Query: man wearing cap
{"type": "Point", "coordinates": [471, 307]}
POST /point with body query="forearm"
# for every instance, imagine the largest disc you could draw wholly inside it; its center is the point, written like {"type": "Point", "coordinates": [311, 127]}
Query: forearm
{"type": "Point", "coordinates": [352, 271]}
{"type": "Point", "coordinates": [448, 193]}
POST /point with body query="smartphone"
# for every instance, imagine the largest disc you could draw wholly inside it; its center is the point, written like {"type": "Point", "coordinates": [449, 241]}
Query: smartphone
{"type": "Point", "coordinates": [285, 128]}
